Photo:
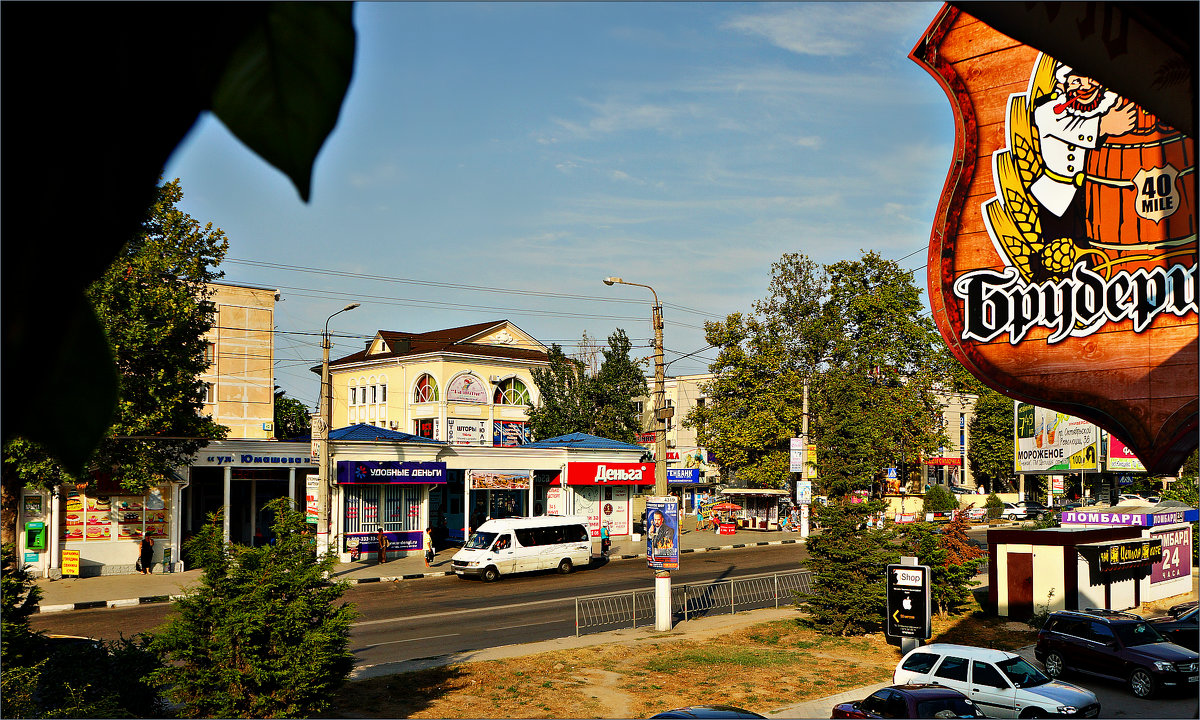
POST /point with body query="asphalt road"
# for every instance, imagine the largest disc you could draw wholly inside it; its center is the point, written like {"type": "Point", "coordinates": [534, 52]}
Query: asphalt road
{"type": "Point", "coordinates": [421, 618]}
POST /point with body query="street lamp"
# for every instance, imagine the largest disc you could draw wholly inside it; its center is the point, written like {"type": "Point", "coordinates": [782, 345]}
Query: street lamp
{"type": "Point", "coordinates": [662, 578]}
{"type": "Point", "coordinates": [323, 425]}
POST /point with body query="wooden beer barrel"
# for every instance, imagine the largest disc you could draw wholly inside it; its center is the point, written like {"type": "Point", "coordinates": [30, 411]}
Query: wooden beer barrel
{"type": "Point", "coordinates": [1114, 224]}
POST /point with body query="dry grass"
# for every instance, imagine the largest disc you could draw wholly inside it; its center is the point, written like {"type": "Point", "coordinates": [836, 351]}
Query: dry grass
{"type": "Point", "coordinates": [761, 667]}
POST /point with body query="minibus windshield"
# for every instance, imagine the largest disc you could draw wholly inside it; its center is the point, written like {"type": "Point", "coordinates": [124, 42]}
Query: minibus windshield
{"type": "Point", "coordinates": [480, 541]}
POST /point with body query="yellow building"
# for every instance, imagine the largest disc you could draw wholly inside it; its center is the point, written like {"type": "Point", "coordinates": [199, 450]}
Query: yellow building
{"type": "Point", "coordinates": [468, 385]}
{"type": "Point", "coordinates": [240, 380]}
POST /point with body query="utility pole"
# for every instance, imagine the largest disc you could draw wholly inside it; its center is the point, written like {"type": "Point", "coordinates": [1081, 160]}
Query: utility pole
{"type": "Point", "coordinates": [322, 428]}
{"type": "Point", "coordinates": [804, 509]}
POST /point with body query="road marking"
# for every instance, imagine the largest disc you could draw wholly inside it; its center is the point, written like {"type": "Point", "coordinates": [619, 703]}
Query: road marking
{"type": "Point", "coordinates": [396, 642]}
{"type": "Point", "coordinates": [546, 622]}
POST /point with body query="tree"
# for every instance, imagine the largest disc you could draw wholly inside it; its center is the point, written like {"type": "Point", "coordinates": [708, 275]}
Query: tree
{"type": "Point", "coordinates": [292, 417]}
{"type": "Point", "coordinates": [588, 353]}
{"type": "Point", "coordinates": [612, 390]}
{"type": "Point", "coordinates": [602, 405]}
{"type": "Point", "coordinates": [152, 305]}
{"type": "Point", "coordinates": [849, 566]}
{"type": "Point", "coordinates": [995, 507]}
{"type": "Point", "coordinates": [991, 451]}
{"type": "Point", "coordinates": [263, 633]}
{"type": "Point", "coordinates": [939, 499]}
{"type": "Point", "coordinates": [951, 558]}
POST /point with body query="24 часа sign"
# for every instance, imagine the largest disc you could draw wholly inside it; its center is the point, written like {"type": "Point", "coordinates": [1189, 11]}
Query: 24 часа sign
{"type": "Point", "coordinates": [1062, 265]}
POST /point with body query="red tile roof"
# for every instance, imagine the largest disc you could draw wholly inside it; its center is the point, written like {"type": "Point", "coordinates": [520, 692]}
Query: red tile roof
{"type": "Point", "coordinates": [450, 340]}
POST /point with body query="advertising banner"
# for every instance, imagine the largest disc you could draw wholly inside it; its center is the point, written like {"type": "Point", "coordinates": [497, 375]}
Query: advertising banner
{"type": "Point", "coordinates": [466, 432]}
{"type": "Point", "coordinates": [1120, 458]}
{"type": "Point", "coordinates": [592, 473]}
{"type": "Point", "coordinates": [554, 501]}
{"type": "Point", "coordinates": [662, 532]}
{"type": "Point", "coordinates": [467, 389]}
{"type": "Point", "coordinates": [680, 476]}
{"type": "Point", "coordinates": [613, 504]}
{"type": "Point", "coordinates": [804, 492]}
{"type": "Point", "coordinates": [796, 456]}
{"type": "Point", "coordinates": [500, 479]}
{"type": "Point", "coordinates": [1176, 555]}
{"type": "Point", "coordinates": [1063, 252]}
{"type": "Point", "coordinates": [312, 485]}
{"type": "Point", "coordinates": [70, 563]}
{"type": "Point", "coordinates": [908, 602]}
{"type": "Point", "coordinates": [1129, 553]}
{"type": "Point", "coordinates": [390, 472]}
{"type": "Point", "coordinates": [1052, 442]}
{"type": "Point", "coordinates": [509, 433]}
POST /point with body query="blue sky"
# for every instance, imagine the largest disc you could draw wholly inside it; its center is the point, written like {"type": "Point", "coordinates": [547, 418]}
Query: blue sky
{"type": "Point", "coordinates": [497, 161]}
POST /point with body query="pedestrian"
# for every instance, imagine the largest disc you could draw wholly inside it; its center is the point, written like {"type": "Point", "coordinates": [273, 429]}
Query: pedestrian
{"type": "Point", "coordinates": [382, 539]}
{"type": "Point", "coordinates": [428, 546]}
{"type": "Point", "coordinates": [699, 516]}
{"type": "Point", "coordinates": [146, 558]}
{"type": "Point", "coordinates": [605, 540]}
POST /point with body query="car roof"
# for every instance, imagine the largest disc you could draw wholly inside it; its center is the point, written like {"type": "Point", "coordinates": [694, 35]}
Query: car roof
{"type": "Point", "coordinates": [927, 689]}
{"type": "Point", "coordinates": [968, 651]}
{"type": "Point", "coordinates": [1100, 614]}
{"type": "Point", "coordinates": [516, 523]}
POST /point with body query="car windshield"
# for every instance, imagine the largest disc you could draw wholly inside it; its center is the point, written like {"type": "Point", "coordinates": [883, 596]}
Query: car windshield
{"type": "Point", "coordinates": [1140, 633]}
{"type": "Point", "coordinates": [947, 708]}
{"type": "Point", "coordinates": [1021, 673]}
{"type": "Point", "coordinates": [480, 541]}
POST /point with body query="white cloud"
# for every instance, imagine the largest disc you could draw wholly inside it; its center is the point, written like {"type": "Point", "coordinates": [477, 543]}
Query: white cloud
{"type": "Point", "coordinates": [830, 29]}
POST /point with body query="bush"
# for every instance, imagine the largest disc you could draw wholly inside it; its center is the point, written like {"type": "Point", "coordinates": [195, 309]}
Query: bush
{"type": "Point", "coordinates": [262, 634]}
{"type": "Point", "coordinates": [995, 507]}
{"type": "Point", "coordinates": [939, 499]}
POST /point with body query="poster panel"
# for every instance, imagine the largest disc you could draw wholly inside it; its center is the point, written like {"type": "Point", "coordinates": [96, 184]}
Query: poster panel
{"type": "Point", "coordinates": [466, 432]}
{"type": "Point", "coordinates": [662, 532]}
{"type": "Point", "coordinates": [1063, 253]}
{"type": "Point", "coordinates": [500, 479]}
{"type": "Point", "coordinates": [1052, 442]}
{"type": "Point", "coordinates": [466, 388]}
{"type": "Point", "coordinates": [1120, 458]}
{"type": "Point", "coordinates": [554, 501]}
{"type": "Point", "coordinates": [1176, 559]}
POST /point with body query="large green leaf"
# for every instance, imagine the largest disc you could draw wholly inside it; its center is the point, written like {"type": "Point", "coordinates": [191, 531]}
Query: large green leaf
{"type": "Point", "coordinates": [283, 88]}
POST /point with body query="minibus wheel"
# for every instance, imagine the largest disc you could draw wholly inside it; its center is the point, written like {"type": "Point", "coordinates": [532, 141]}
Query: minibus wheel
{"type": "Point", "coordinates": [565, 567]}
{"type": "Point", "coordinates": [489, 574]}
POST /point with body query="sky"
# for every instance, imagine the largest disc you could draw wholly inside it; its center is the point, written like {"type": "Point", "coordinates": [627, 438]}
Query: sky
{"type": "Point", "coordinates": [497, 161]}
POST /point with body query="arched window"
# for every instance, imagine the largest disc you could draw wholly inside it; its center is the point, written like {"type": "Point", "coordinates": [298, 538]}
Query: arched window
{"type": "Point", "coordinates": [511, 391]}
{"type": "Point", "coordinates": [426, 389]}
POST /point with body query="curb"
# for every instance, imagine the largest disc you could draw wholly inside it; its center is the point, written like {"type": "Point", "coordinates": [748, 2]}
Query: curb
{"type": "Point", "coordinates": [131, 602]}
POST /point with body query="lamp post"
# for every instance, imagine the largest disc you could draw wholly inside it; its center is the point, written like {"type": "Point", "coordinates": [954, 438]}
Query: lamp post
{"type": "Point", "coordinates": [323, 426]}
{"type": "Point", "coordinates": [662, 578]}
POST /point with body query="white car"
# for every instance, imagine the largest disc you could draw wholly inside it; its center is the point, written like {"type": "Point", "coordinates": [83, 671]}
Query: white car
{"type": "Point", "coordinates": [1001, 683]}
{"type": "Point", "coordinates": [1013, 512]}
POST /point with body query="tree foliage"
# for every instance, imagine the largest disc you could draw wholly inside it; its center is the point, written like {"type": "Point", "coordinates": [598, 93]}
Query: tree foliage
{"type": "Point", "coordinates": [849, 565]}
{"type": "Point", "coordinates": [262, 634]}
{"type": "Point", "coordinates": [292, 417]}
{"type": "Point", "coordinates": [991, 451]}
{"type": "Point", "coordinates": [939, 499]}
{"type": "Point", "coordinates": [571, 401]}
{"type": "Point", "coordinates": [952, 560]}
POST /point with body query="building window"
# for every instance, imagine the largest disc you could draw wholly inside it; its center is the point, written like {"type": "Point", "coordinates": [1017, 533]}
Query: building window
{"type": "Point", "coordinates": [210, 393]}
{"type": "Point", "coordinates": [210, 354]}
{"type": "Point", "coordinates": [423, 427]}
{"type": "Point", "coordinates": [426, 389]}
{"type": "Point", "coordinates": [383, 393]}
{"type": "Point", "coordinates": [374, 394]}
{"type": "Point", "coordinates": [511, 392]}
{"type": "Point", "coordinates": [638, 407]}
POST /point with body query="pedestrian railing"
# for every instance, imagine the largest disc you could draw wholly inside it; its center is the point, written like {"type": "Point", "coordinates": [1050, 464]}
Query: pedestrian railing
{"type": "Point", "coordinates": [600, 613]}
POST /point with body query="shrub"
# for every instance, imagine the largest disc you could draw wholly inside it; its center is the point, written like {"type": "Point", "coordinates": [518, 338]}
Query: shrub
{"type": "Point", "coordinates": [995, 507]}
{"type": "Point", "coordinates": [939, 499]}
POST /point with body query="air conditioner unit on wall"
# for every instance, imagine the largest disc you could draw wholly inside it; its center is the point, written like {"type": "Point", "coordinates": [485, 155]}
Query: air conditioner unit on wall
{"type": "Point", "coordinates": [394, 425]}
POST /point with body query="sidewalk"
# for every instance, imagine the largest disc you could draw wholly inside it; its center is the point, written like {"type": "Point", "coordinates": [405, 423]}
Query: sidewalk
{"type": "Point", "coordinates": [136, 589]}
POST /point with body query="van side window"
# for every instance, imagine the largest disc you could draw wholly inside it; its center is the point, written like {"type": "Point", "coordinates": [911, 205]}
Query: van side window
{"type": "Point", "coordinates": [953, 668]}
{"type": "Point", "coordinates": [578, 533]}
{"type": "Point", "coordinates": [528, 537]}
{"type": "Point", "coordinates": [920, 662]}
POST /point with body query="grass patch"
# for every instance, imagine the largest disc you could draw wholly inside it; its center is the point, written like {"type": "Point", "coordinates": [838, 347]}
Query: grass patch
{"type": "Point", "coordinates": [744, 657]}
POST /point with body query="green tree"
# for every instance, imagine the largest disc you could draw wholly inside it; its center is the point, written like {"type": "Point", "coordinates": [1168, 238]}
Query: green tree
{"type": "Point", "coordinates": [939, 499]}
{"type": "Point", "coordinates": [849, 566]}
{"type": "Point", "coordinates": [263, 634]}
{"type": "Point", "coordinates": [951, 558]}
{"type": "Point", "coordinates": [602, 404]}
{"type": "Point", "coordinates": [612, 390]}
{"type": "Point", "coordinates": [153, 305]}
{"type": "Point", "coordinates": [995, 507]}
{"type": "Point", "coordinates": [990, 453]}
{"type": "Point", "coordinates": [292, 417]}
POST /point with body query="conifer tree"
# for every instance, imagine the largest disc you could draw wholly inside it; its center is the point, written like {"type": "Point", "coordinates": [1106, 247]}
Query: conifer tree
{"type": "Point", "coordinates": [263, 634]}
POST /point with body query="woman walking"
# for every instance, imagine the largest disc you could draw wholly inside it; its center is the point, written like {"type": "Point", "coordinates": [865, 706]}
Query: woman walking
{"type": "Point", "coordinates": [428, 546]}
{"type": "Point", "coordinates": [382, 539]}
{"type": "Point", "coordinates": [605, 540]}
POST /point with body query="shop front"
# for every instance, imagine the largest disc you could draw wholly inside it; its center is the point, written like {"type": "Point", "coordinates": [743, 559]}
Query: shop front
{"type": "Point", "coordinates": [387, 495]}
{"type": "Point", "coordinates": [499, 494]}
{"type": "Point", "coordinates": [602, 491]}
{"type": "Point", "coordinates": [760, 506]}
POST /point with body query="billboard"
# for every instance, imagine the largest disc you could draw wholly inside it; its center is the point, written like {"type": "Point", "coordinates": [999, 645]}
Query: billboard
{"type": "Point", "coordinates": [908, 602]}
{"type": "Point", "coordinates": [662, 532]}
{"type": "Point", "coordinates": [1119, 458]}
{"type": "Point", "coordinates": [1063, 256]}
{"type": "Point", "coordinates": [1050, 442]}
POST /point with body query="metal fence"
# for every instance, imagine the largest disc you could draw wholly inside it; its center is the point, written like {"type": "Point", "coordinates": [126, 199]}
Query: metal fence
{"type": "Point", "coordinates": [600, 613]}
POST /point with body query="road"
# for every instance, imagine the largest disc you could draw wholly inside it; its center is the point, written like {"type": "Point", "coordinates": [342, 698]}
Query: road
{"type": "Point", "coordinates": [420, 618]}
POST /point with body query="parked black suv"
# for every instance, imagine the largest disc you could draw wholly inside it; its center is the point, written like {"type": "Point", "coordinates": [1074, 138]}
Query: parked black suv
{"type": "Point", "coordinates": [1117, 645]}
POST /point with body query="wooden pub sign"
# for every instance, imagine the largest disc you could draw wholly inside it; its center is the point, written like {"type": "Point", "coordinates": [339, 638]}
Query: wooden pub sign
{"type": "Point", "coordinates": [1062, 263]}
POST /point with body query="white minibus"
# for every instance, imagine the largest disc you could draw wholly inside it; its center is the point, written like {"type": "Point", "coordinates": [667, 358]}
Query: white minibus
{"type": "Point", "coordinates": [524, 544]}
